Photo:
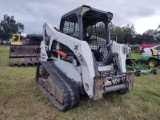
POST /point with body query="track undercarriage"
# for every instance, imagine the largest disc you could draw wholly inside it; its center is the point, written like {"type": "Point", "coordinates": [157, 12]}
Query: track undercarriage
{"type": "Point", "coordinates": [61, 91]}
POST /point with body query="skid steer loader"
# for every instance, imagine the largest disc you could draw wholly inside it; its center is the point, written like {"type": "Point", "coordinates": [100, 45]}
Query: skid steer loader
{"type": "Point", "coordinates": [81, 59]}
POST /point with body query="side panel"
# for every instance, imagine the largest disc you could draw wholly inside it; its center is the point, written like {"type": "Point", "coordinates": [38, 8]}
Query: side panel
{"type": "Point", "coordinates": [120, 50]}
{"type": "Point", "coordinates": [43, 53]}
{"type": "Point", "coordinates": [145, 57]}
{"type": "Point", "coordinates": [69, 70]}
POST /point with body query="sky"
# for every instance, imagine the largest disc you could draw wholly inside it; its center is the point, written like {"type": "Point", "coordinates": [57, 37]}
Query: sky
{"type": "Point", "coordinates": [143, 14]}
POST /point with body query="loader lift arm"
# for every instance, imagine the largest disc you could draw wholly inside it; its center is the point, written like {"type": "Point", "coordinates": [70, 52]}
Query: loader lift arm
{"type": "Point", "coordinates": [80, 49]}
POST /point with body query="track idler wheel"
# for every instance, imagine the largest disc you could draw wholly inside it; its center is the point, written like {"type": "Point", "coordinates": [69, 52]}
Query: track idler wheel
{"type": "Point", "coordinates": [42, 72]}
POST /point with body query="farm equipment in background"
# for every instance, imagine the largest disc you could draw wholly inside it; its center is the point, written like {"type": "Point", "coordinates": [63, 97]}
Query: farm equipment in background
{"type": "Point", "coordinates": [34, 39]}
{"type": "Point", "coordinates": [139, 69]}
{"type": "Point", "coordinates": [16, 39]}
{"type": "Point", "coordinates": [149, 52]}
{"type": "Point", "coordinates": [26, 53]}
{"type": "Point", "coordinates": [143, 46]}
{"type": "Point", "coordinates": [138, 66]}
{"type": "Point", "coordinates": [135, 48]}
{"type": "Point", "coordinates": [152, 60]}
{"type": "Point", "coordinates": [81, 59]}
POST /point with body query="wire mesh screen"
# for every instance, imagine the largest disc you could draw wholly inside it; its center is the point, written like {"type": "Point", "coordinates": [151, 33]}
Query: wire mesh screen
{"type": "Point", "coordinates": [97, 35]}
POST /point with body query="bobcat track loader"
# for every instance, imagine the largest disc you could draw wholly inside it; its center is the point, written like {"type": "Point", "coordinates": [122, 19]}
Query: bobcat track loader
{"type": "Point", "coordinates": [81, 59]}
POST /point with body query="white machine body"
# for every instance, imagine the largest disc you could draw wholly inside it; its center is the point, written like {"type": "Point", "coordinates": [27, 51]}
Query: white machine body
{"type": "Point", "coordinates": [85, 72]}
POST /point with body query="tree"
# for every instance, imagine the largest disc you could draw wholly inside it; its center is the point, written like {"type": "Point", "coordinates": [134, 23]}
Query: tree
{"type": "Point", "coordinates": [158, 28]}
{"type": "Point", "coordinates": [158, 34]}
{"type": "Point", "coordinates": [137, 39]}
{"type": "Point", "coordinates": [9, 26]}
{"type": "Point", "coordinates": [120, 34]}
{"type": "Point", "coordinates": [147, 39]}
{"type": "Point", "coordinates": [129, 33]}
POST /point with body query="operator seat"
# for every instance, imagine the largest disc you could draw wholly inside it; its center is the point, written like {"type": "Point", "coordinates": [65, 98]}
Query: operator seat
{"type": "Point", "coordinates": [154, 52]}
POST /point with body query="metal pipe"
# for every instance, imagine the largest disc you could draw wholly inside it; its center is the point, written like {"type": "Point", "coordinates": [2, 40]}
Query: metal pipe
{"type": "Point", "coordinates": [115, 88]}
{"type": "Point", "coordinates": [108, 36]}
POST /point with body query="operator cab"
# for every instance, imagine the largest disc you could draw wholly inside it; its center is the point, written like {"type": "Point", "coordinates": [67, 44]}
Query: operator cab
{"type": "Point", "coordinates": [91, 25]}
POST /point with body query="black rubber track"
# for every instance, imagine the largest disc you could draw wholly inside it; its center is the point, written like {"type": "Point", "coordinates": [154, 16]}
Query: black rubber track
{"type": "Point", "coordinates": [71, 93]}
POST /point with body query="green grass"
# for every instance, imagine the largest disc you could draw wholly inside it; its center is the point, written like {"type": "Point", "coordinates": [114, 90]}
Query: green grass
{"type": "Point", "coordinates": [20, 99]}
{"type": "Point", "coordinates": [136, 55]}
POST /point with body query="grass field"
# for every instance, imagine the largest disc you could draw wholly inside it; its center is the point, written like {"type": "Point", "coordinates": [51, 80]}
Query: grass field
{"type": "Point", "coordinates": [136, 55]}
{"type": "Point", "coordinates": [20, 99]}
